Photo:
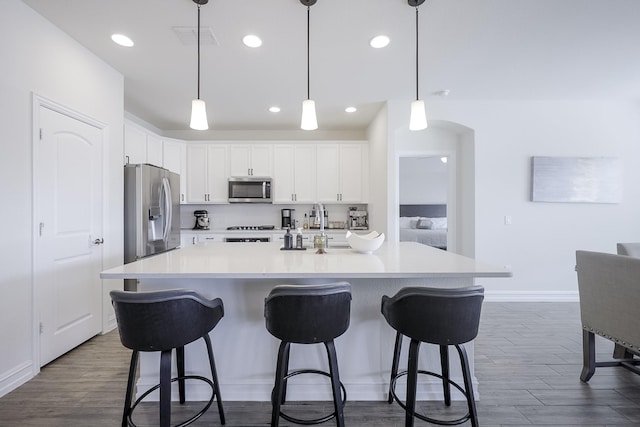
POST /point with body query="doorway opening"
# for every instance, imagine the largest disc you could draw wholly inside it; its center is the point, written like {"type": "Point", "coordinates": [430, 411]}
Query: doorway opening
{"type": "Point", "coordinates": [455, 192]}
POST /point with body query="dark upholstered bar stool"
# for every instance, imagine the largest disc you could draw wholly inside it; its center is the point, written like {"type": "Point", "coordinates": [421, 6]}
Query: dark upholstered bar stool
{"type": "Point", "coordinates": [307, 314]}
{"type": "Point", "coordinates": [442, 317]}
{"type": "Point", "coordinates": [163, 321]}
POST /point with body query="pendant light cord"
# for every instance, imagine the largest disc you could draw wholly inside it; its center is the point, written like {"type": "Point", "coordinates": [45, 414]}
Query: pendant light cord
{"type": "Point", "coordinates": [198, 51]}
{"type": "Point", "coordinates": [417, 96]}
{"type": "Point", "coordinates": [308, 78]}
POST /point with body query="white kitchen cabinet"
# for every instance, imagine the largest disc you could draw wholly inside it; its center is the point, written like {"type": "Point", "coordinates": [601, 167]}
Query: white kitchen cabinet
{"type": "Point", "coordinates": [135, 144]}
{"type": "Point", "coordinates": [207, 177]}
{"type": "Point", "coordinates": [187, 238]}
{"type": "Point", "coordinates": [340, 172]}
{"type": "Point", "coordinates": [174, 158]}
{"type": "Point", "coordinates": [154, 150]}
{"type": "Point", "coordinates": [250, 160]}
{"type": "Point", "coordinates": [294, 176]}
{"type": "Point", "coordinates": [141, 146]}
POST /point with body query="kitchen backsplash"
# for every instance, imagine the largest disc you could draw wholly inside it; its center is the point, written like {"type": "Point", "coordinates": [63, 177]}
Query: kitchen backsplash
{"type": "Point", "coordinates": [223, 216]}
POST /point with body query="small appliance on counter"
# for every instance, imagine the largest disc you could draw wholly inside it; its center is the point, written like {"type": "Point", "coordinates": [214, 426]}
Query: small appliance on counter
{"type": "Point", "coordinates": [287, 218]}
{"type": "Point", "coordinates": [358, 220]}
{"type": "Point", "coordinates": [202, 220]}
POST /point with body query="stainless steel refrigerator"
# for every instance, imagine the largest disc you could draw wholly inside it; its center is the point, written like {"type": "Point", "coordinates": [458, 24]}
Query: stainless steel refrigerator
{"type": "Point", "coordinates": [151, 212]}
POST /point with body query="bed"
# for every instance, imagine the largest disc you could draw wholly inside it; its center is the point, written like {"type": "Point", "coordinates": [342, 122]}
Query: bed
{"type": "Point", "coordinates": [425, 224]}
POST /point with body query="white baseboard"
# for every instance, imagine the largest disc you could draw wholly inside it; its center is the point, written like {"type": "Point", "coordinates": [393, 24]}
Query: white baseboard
{"type": "Point", "coordinates": [524, 296]}
{"type": "Point", "coordinates": [15, 378]}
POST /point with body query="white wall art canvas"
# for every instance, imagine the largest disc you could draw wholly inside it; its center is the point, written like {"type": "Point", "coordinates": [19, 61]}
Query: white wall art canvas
{"type": "Point", "coordinates": [576, 179]}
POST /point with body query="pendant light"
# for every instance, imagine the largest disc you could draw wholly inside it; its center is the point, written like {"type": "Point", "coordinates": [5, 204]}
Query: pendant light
{"type": "Point", "coordinates": [309, 120]}
{"type": "Point", "coordinates": [418, 120]}
{"type": "Point", "coordinates": [198, 106]}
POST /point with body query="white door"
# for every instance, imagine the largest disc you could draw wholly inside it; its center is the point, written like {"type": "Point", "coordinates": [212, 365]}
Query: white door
{"type": "Point", "coordinates": [68, 215]}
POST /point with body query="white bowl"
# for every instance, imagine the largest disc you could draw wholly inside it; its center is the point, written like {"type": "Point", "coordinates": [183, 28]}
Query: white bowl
{"type": "Point", "coordinates": [365, 243]}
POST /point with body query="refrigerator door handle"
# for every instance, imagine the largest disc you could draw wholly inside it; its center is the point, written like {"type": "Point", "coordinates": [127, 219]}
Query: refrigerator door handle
{"type": "Point", "coordinates": [166, 191]}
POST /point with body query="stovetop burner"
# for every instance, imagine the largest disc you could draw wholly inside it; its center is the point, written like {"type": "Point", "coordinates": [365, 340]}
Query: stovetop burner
{"type": "Point", "coordinates": [251, 227]}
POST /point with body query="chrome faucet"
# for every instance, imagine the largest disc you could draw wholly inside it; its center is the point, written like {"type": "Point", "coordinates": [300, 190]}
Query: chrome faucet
{"type": "Point", "coordinates": [320, 241]}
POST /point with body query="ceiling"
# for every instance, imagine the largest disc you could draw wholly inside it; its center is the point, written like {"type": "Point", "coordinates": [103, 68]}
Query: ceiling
{"type": "Point", "coordinates": [476, 49]}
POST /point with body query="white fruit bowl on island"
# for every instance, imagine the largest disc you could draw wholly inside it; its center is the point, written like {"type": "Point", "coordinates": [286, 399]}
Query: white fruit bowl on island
{"type": "Point", "coordinates": [365, 243]}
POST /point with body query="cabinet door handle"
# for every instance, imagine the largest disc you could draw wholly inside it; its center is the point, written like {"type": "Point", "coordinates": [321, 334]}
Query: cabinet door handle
{"type": "Point", "coordinates": [127, 161]}
{"type": "Point", "coordinates": [194, 240]}
{"type": "Point", "coordinates": [182, 197]}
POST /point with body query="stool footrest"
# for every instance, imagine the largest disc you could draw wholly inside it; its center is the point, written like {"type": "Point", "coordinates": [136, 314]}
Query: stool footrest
{"type": "Point", "coordinates": [316, 420]}
{"type": "Point", "coordinates": [424, 417]}
{"type": "Point", "coordinates": [157, 386]}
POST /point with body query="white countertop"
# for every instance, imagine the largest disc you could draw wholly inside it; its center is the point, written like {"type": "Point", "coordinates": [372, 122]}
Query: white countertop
{"type": "Point", "coordinates": [266, 260]}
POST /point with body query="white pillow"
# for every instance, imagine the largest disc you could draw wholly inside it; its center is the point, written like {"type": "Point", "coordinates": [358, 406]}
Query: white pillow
{"type": "Point", "coordinates": [439, 222]}
{"type": "Point", "coordinates": [405, 222]}
{"type": "Point", "coordinates": [409, 221]}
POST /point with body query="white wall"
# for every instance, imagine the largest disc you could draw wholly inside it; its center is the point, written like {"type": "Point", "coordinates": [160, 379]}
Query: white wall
{"type": "Point", "coordinates": [422, 180]}
{"type": "Point", "coordinates": [38, 58]}
{"type": "Point", "coordinates": [540, 245]}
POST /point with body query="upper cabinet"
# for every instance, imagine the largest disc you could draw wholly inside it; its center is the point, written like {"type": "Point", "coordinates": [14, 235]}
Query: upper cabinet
{"type": "Point", "coordinates": [250, 160]}
{"type": "Point", "coordinates": [294, 176]}
{"type": "Point", "coordinates": [141, 146]}
{"type": "Point", "coordinates": [207, 173]}
{"type": "Point", "coordinates": [174, 158]}
{"type": "Point", "coordinates": [340, 172]}
{"type": "Point", "coordinates": [302, 172]}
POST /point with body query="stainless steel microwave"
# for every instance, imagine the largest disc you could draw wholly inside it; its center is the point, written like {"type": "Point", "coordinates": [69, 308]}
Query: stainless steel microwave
{"type": "Point", "coordinates": [249, 189]}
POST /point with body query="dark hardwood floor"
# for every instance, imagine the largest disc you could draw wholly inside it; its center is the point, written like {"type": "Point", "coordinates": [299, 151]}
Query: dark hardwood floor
{"type": "Point", "coordinates": [528, 361]}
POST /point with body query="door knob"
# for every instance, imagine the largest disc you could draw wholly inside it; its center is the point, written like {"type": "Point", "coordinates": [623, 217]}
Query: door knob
{"type": "Point", "coordinates": [98, 241]}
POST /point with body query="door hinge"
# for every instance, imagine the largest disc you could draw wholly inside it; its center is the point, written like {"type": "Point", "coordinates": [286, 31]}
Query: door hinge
{"type": "Point", "coordinates": [41, 228]}
{"type": "Point", "coordinates": [41, 134]}
{"type": "Point", "coordinates": [41, 328]}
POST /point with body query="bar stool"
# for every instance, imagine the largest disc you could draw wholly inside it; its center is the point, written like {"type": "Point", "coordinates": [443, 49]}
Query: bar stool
{"type": "Point", "coordinates": [307, 314]}
{"type": "Point", "coordinates": [443, 317]}
{"type": "Point", "coordinates": [163, 321]}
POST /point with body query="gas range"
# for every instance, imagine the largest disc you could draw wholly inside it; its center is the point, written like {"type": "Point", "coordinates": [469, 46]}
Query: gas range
{"type": "Point", "coordinates": [251, 227]}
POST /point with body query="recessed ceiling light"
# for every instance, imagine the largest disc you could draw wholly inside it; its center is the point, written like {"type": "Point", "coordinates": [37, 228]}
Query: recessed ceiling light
{"type": "Point", "coordinates": [351, 109]}
{"type": "Point", "coordinates": [122, 40]}
{"type": "Point", "coordinates": [251, 40]}
{"type": "Point", "coordinates": [274, 109]}
{"type": "Point", "coordinates": [379, 41]}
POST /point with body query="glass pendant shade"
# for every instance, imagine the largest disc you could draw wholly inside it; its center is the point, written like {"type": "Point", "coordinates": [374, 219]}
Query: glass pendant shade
{"type": "Point", "coordinates": [199, 115]}
{"type": "Point", "coordinates": [309, 121]}
{"type": "Point", "coordinates": [418, 120]}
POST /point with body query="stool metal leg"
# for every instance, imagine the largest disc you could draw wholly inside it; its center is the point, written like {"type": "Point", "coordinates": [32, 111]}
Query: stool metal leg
{"type": "Point", "coordinates": [412, 382]}
{"type": "Point", "coordinates": [284, 382]}
{"type": "Point", "coordinates": [466, 374]}
{"type": "Point", "coordinates": [276, 398]}
{"type": "Point", "coordinates": [214, 378]}
{"type": "Point", "coordinates": [394, 365]}
{"type": "Point", "coordinates": [444, 362]}
{"type": "Point", "coordinates": [338, 404]}
{"type": "Point", "coordinates": [165, 388]}
{"type": "Point", "coordinates": [180, 365]}
{"type": "Point", "coordinates": [127, 400]}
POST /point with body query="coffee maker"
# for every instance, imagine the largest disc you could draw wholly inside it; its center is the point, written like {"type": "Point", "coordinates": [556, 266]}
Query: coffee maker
{"type": "Point", "coordinates": [358, 220]}
{"type": "Point", "coordinates": [202, 220]}
{"type": "Point", "coordinates": [287, 218]}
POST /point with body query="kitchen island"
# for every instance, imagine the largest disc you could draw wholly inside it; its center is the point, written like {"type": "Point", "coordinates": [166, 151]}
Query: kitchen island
{"type": "Point", "coordinates": [242, 275]}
